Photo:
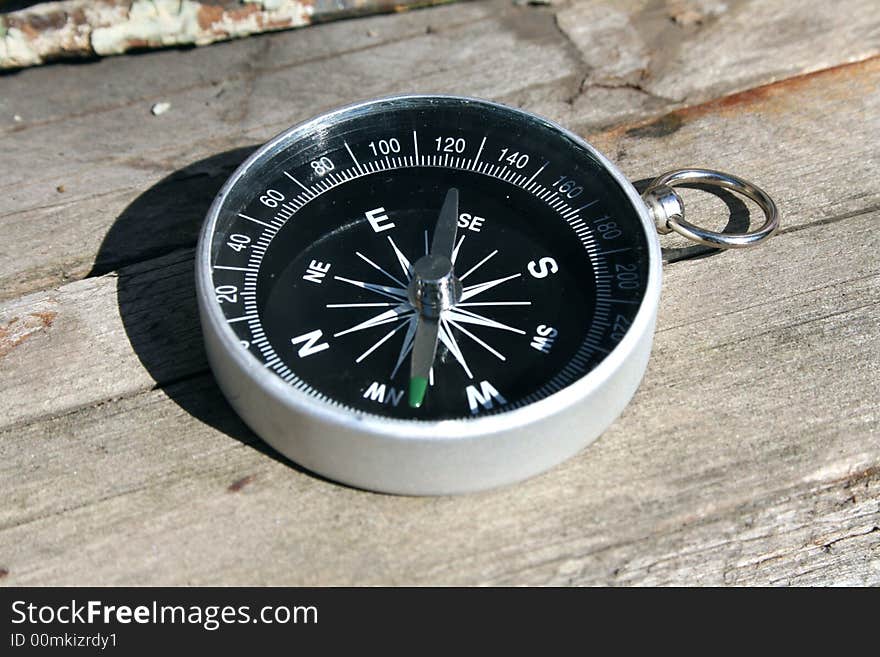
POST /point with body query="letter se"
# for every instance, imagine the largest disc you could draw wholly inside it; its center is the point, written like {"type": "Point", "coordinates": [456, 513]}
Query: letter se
{"type": "Point", "coordinates": [470, 222]}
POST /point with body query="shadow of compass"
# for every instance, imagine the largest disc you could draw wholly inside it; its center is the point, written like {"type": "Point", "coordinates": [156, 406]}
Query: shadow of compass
{"type": "Point", "coordinates": [151, 246]}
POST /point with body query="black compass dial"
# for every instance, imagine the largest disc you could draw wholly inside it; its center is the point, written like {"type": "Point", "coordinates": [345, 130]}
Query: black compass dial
{"type": "Point", "coordinates": [321, 245]}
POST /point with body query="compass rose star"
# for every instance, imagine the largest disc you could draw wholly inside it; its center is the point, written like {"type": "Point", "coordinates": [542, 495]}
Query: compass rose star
{"type": "Point", "coordinates": [401, 312]}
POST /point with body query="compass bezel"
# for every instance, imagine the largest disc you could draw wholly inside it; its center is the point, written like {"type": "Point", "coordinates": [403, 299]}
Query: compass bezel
{"type": "Point", "coordinates": [423, 456]}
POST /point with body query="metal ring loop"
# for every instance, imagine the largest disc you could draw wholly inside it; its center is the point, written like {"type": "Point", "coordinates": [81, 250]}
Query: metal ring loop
{"type": "Point", "coordinates": [662, 202]}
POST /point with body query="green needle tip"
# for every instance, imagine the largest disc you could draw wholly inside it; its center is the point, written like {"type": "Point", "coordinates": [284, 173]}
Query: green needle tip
{"type": "Point", "coordinates": [418, 385]}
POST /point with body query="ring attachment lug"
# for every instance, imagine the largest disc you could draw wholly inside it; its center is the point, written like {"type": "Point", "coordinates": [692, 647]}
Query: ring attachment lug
{"type": "Point", "coordinates": [664, 203]}
{"type": "Point", "coordinates": [667, 208]}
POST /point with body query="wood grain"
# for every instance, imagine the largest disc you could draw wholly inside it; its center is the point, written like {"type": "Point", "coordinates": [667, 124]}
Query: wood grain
{"type": "Point", "coordinates": [723, 47]}
{"type": "Point", "coordinates": [750, 455]}
{"type": "Point", "coordinates": [89, 131]}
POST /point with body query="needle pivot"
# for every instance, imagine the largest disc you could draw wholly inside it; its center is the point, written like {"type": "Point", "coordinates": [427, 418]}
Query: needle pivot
{"type": "Point", "coordinates": [434, 286]}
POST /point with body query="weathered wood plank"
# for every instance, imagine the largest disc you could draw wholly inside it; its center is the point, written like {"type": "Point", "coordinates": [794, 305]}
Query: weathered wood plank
{"type": "Point", "coordinates": [89, 28]}
{"type": "Point", "coordinates": [643, 55]}
{"type": "Point", "coordinates": [90, 129]}
{"type": "Point", "coordinates": [750, 454]}
{"type": "Point", "coordinates": [90, 340]}
{"type": "Point", "coordinates": [122, 347]}
{"type": "Point", "coordinates": [57, 93]}
{"type": "Point", "coordinates": [791, 131]}
{"type": "Point", "coordinates": [715, 474]}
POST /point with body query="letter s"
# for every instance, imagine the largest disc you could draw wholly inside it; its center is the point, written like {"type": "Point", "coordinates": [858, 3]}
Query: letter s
{"type": "Point", "coordinates": [21, 614]}
{"type": "Point", "coordinates": [543, 268]}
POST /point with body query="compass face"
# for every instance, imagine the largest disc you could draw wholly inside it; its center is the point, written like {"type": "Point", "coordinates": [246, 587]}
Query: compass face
{"type": "Point", "coordinates": [321, 243]}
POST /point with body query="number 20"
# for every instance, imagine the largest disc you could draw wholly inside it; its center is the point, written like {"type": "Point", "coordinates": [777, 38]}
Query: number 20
{"type": "Point", "coordinates": [227, 293]}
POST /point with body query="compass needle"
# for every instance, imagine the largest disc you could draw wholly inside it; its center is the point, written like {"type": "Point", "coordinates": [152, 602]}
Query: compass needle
{"type": "Point", "coordinates": [446, 229]}
{"type": "Point", "coordinates": [433, 288]}
{"type": "Point", "coordinates": [406, 346]}
{"type": "Point", "coordinates": [353, 331]}
{"type": "Point", "coordinates": [423, 349]}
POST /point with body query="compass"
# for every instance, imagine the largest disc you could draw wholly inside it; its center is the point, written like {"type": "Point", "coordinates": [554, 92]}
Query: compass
{"type": "Point", "coordinates": [434, 294]}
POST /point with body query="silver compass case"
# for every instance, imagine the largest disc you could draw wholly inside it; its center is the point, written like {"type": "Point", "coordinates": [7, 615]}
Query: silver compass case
{"type": "Point", "coordinates": [424, 457]}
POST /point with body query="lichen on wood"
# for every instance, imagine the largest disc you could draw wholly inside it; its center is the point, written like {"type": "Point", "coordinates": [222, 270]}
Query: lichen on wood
{"type": "Point", "coordinates": [87, 28]}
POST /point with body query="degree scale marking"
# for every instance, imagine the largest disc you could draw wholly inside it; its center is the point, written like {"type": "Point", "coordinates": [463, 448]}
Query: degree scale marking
{"type": "Point", "coordinates": [583, 232]}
